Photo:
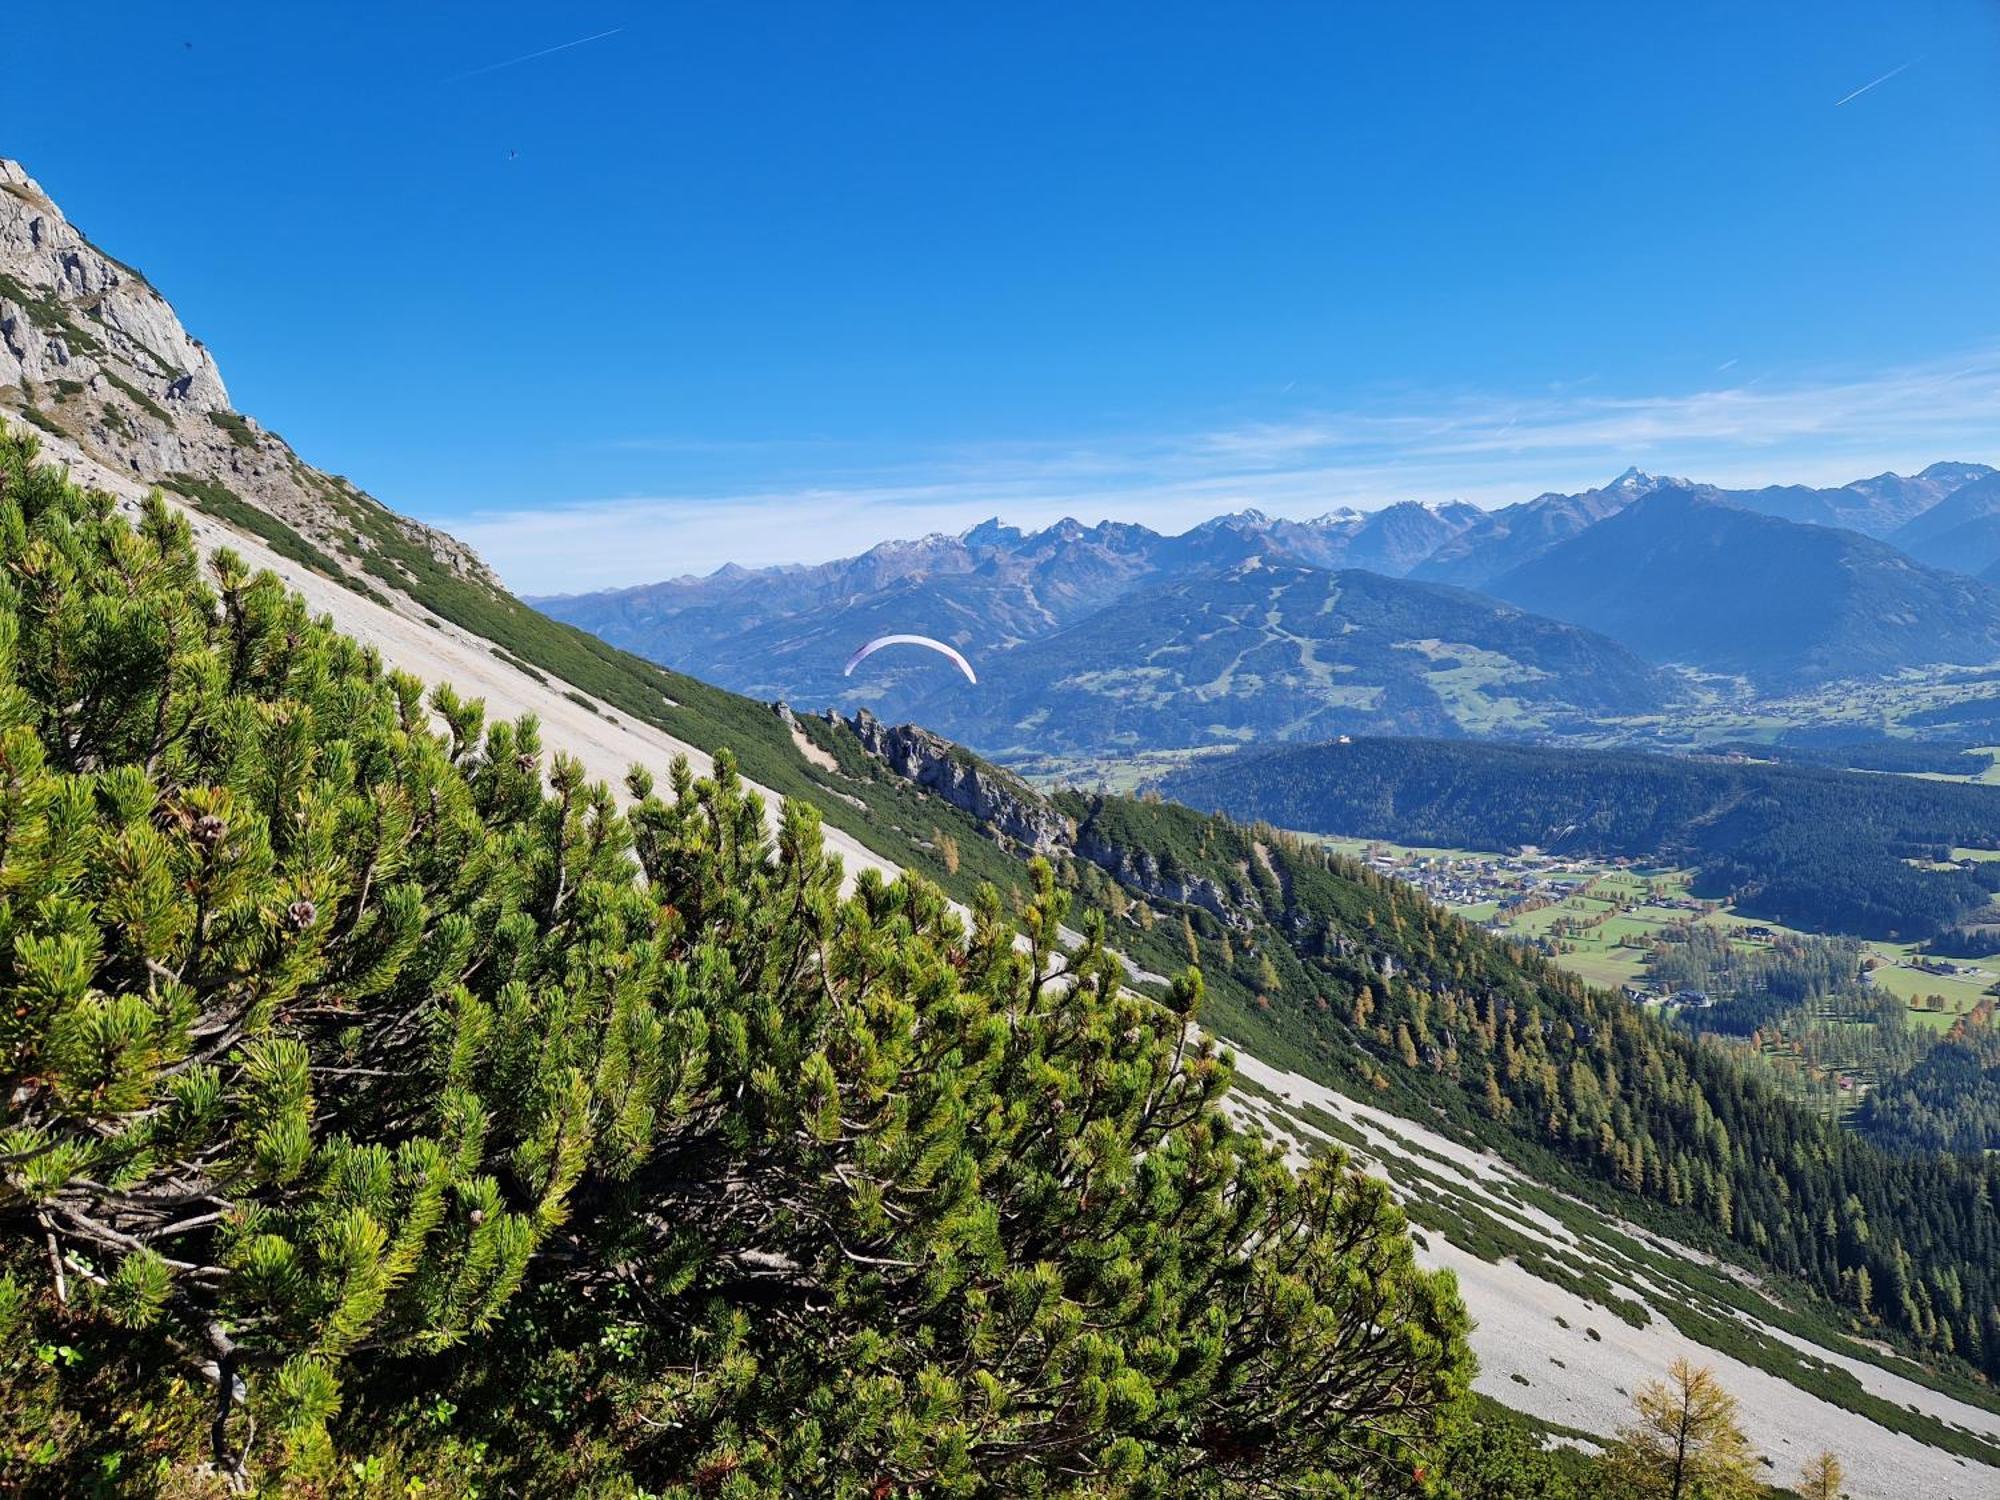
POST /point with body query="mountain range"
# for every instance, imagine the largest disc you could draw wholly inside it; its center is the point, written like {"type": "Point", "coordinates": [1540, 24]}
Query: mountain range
{"type": "Point", "coordinates": [1148, 642]}
{"type": "Point", "coordinates": [1273, 651]}
{"type": "Point", "coordinates": [1685, 575]}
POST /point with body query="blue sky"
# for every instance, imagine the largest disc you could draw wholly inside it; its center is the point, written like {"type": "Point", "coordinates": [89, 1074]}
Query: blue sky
{"type": "Point", "coordinates": [773, 282]}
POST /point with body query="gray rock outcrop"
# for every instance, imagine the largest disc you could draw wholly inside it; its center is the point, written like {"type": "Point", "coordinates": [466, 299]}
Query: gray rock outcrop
{"type": "Point", "coordinates": [1001, 803]}
{"type": "Point", "coordinates": [92, 355]}
{"type": "Point", "coordinates": [1020, 816]}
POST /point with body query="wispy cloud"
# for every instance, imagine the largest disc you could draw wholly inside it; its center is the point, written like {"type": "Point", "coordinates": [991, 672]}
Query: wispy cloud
{"type": "Point", "coordinates": [1484, 447]}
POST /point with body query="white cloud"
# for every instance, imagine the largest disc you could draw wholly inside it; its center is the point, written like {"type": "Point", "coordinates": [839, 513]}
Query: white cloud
{"type": "Point", "coordinates": [1480, 447]}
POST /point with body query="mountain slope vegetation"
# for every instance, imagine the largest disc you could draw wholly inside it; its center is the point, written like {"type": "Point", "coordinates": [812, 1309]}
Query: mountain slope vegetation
{"type": "Point", "coordinates": [484, 1089]}
{"type": "Point", "coordinates": [359, 1070]}
{"type": "Point", "coordinates": [1359, 980]}
{"type": "Point", "coordinates": [1524, 1056]}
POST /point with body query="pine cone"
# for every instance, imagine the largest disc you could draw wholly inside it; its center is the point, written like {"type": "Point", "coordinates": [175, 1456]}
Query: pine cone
{"type": "Point", "coordinates": [209, 830]}
{"type": "Point", "coordinates": [302, 914]}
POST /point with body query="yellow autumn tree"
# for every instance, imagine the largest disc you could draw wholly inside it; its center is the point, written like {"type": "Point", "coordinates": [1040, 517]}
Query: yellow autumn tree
{"type": "Point", "coordinates": [1822, 1477]}
{"type": "Point", "coordinates": [1684, 1442]}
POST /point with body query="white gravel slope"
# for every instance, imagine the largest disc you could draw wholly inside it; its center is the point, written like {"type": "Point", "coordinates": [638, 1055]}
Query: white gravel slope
{"type": "Point", "coordinates": [1590, 1388]}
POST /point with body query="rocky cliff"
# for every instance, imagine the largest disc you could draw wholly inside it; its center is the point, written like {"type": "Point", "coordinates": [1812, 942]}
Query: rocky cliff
{"type": "Point", "coordinates": [1021, 818]}
{"type": "Point", "coordinates": [1140, 870]}
{"type": "Point", "coordinates": [93, 357]}
{"type": "Point", "coordinates": [1004, 805]}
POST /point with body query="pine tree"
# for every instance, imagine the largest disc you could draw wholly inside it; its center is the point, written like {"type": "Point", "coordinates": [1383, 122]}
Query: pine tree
{"type": "Point", "coordinates": [373, 1076]}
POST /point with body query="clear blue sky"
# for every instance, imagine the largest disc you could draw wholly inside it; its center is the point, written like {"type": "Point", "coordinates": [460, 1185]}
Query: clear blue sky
{"type": "Point", "coordinates": [777, 280]}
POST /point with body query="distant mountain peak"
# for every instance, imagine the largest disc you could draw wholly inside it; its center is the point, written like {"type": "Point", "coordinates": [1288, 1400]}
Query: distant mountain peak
{"type": "Point", "coordinates": [1952, 469]}
{"type": "Point", "coordinates": [1247, 519]}
{"type": "Point", "coordinates": [991, 532]}
{"type": "Point", "coordinates": [898, 545]}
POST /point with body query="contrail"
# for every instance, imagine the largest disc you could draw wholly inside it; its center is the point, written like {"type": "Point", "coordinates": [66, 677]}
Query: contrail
{"type": "Point", "coordinates": [531, 56]}
{"type": "Point", "coordinates": [1879, 81]}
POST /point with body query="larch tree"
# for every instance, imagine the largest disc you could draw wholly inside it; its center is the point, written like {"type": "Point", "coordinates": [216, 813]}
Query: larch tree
{"type": "Point", "coordinates": [1684, 1442]}
{"type": "Point", "coordinates": [1822, 1478]}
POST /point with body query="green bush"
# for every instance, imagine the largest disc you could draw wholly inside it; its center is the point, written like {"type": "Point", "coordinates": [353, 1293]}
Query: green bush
{"type": "Point", "coordinates": [387, 1107]}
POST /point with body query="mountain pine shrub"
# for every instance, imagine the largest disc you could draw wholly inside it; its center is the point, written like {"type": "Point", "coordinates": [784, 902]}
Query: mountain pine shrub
{"type": "Point", "coordinates": [388, 1109]}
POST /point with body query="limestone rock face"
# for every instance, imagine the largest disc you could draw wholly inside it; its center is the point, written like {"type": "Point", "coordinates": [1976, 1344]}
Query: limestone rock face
{"type": "Point", "coordinates": [1018, 816]}
{"type": "Point", "coordinates": [95, 358]}
{"type": "Point", "coordinates": [1140, 870]}
{"type": "Point", "coordinates": [114, 317]}
{"type": "Point", "coordinates": [1003, 805]}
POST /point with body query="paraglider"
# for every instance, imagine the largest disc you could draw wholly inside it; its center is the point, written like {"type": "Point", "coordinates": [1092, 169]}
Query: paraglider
{"type": "Point", "coordinates": [880, 641]}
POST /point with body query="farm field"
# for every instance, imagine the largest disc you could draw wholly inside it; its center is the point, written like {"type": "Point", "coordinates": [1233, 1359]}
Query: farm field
{"type": "Point", "coordinates": [1960, 991]}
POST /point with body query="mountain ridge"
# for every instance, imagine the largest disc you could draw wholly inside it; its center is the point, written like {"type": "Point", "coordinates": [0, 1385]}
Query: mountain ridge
{"type": "Point", "coordinates": [996, 589]}
{"type": "Point", "coordinates": [1268, 649]}
{"type": "Point", "coordinates": [1687, 576]}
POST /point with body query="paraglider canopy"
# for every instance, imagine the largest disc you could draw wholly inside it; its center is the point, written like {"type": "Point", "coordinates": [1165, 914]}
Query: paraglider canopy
{"type": "Point", "coordinates": [908, 640]}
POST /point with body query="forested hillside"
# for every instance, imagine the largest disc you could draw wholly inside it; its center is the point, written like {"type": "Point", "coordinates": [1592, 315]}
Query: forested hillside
{"type": "Point", "coordinates": [1950, 1101]}
{"type": "Point", "coordinates": [1822, 849]}
{"type": "Point", "coordinates": [1374, 986]}
{"type": "Point", "coordinates": [1328, 968]}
